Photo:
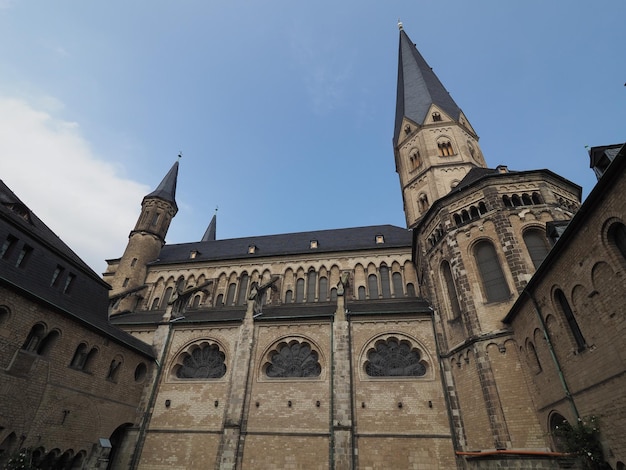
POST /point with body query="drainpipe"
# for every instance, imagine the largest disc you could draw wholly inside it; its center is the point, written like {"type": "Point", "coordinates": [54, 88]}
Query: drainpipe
{"type": "Point", "coordinates": [142, 429]}
{"type": "Point", "coordinates": [555, 359]}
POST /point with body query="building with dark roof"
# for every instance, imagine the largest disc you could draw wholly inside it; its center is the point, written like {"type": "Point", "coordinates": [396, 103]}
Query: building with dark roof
{"type": "Point", "coordinates": [68, 378]}
{"type": "Point", "coordinates": [465, 340]}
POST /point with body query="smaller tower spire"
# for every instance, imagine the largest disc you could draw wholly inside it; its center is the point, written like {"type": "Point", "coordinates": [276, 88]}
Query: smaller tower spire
{"type": "Point", "coordinates": [166, 190]}
{"type": "Point", "coordinates": [209, 235]}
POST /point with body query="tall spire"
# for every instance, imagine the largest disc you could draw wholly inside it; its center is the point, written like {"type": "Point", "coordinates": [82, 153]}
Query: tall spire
{"type": "Point", "coordinates": [418, 87]}
{"type": "Point", "coordinates": [167, 188]}
{"type": "Point", "coordinates": [209, 235]}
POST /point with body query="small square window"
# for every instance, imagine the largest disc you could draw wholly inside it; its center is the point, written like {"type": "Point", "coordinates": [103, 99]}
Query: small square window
{"type": "Point", "coordinates": [313, 244]}
{"type": "Point", "coordinates": [133, 262]}
{"type": "Point", "coordinates": [380, 239]}
{"type": "Point", "coordinates": [251, 249]}
{"type": "Point", "coordinates": [125, 283]}
{"type": "Point", "coordinates": [193, 254]}
{"type": "Point", "coordinates": [7, 247]}
{"type": "Point", "coordinates": [24, 256]}
{"type": "Point", "coordinates": [69, 282]}
{"type": "Point", "coordinates": [55, 276]}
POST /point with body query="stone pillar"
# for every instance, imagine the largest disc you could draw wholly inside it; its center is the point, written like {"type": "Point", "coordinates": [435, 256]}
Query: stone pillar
{"type": "Point", "coordinates": [231, 446]}
{"type": "Point", "coordinates": [342, 428]}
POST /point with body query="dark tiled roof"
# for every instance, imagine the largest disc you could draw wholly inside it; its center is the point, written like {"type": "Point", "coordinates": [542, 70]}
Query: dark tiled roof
{"type": "Point", "coordinates": [86, 302]}
{"type": "Point", "coordinates": [407, 305]}
{"type": "Point", "coordinates": [418, 88]}
{"type": "Point", "coordinates": [167, 188]}
{"type": "Point", "coordinates": [298, 311]}
{"type": "Point", "coordinates": [203, 315]}
{"type": "Point", "coordinates": [474, 175]}
{"type": "Point", "coordinates": [328, 241]}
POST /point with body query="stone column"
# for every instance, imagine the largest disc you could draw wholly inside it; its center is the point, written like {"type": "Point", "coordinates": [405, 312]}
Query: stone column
{"type": "Point", "coordinates": [342, 391]}
{"type": "Point", "coordinates": [228, 454]}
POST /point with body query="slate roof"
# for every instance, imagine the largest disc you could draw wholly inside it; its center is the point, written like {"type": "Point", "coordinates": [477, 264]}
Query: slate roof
{"type": "Point", "coordinates": [293, 311]}
{"type": "Point", "coordinates": [475, 174]}
{"type": "Point", "coordinates": [418, 88]}
{"type": "Point", "coordinates": [166, 190]}
{"type": "Point", "coordinates": [86, 303]}
{"type": "Point", "coordinates": [328, 241]}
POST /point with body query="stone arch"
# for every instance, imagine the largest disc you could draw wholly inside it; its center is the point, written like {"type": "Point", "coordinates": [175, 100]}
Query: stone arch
{"type": "Point", "coordinates": [393, 355]}
{"type": "Point", "coordinates": [292, 357]}
{"type": "Point", "coordinates": [201, 359]}
{"type": "Point", "coordinates": [5, 314]}
{"type": "Point", "coordinates": [614, 240]}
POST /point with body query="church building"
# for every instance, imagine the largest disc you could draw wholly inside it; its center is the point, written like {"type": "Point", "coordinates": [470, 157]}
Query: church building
{"type": "Point", "coordinates": [463, 340]}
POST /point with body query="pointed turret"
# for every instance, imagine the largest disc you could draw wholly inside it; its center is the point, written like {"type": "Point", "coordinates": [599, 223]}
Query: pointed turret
{"type": "Point", "coordinates": [418, 88]}
{"type": "Point", "coordinates": [209, 235]}
{"type": "Point", "coordinates": [166, 190]}
{"type": "Point", "coordinates": [434, 144]}
{"type": "Point", "coordinates": [144, 243]}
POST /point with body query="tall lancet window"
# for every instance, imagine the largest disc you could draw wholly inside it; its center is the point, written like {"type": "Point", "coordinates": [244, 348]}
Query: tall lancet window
{"type": "Point", "coordinates": [494, 283]}
{"type": "Point", "coordinates": [448, 280]}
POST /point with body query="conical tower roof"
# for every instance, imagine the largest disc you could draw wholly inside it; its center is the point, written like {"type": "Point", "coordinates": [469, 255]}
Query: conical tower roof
{"type": "Point", "coordinates": [418, 88]}
{"type": "Point", "coordinates": [167, 188]}
{"type": "Point", "coordinates": [209, 235]}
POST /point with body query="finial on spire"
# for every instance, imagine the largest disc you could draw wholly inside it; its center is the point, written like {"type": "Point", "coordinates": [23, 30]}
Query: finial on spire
{"type": "Point", "coordinates": [216, 208]}
{"type": "Point", "coordinates": [180, 155]}
{"type": "Point", "coordinates": [400, 27]}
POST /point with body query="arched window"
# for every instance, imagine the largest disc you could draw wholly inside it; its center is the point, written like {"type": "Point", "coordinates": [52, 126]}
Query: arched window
{"type": "Point", "coordinates": [243, 289]}
{"type": "Point", "coordinates": [310, 286]}
{"type": "Point", "coordinates": [394, 358]}
{"type": "Point", "coordinates": [494, 283]}
{"type": "Point", "coordinates": [537, 246]}
{"type": "Point", "coordinates": [323, 294]}
{"type": "Point", "coordinates": [384, 282]}
{"type": "Point", "coordinates": [34, 338]}
{"type": "Point", "coordinates": [295, 359]}
{"type": "Point", "coordinates": [219, 301]}
{"type": "Point", "coordinates": [445, 148]}
{"type": "Point", "coordinates": [465, 216]}
{"type": "Point", "coordinates": [482, 208]}
{"type": "Point", "coordinates": [533, 358]}
{"type": "Point", "coordinates": [448, 281]}
{"type": "Point", "coordinates": [422, 201]}
{"type": "Point", "coordinates": [556, 421]}
{"type": "Point", "coordinates": [155, 303]}
{"type": "Point", "coordinates": [288, 296]}
{"type": "Point", "coordinates": [410, 290]}
{"type": "Point", "coordinates": [537, 198]}
{"type": "Point", "coordinates": [372, 284]}
{"type": "Point", "coordinates": [204, 361]}
{"type": "Point", "coordinates": [196, 301]}
{"type": "Point", "coordinates": [507, 201]}
{"type": "Point", "coordinates": [617, 237]}
{"type": "Point", "coordinates": [333, 294]}
{"type": "Point", "coordinates": [48, 343]}
{"type": "Point", "coordinates": [300, 291]}
{"type": "Point", "coordinates": [361, 293]}
{"type": "Point", "coordinates": [526, 200]}
{"type": "Point", "coordinates": [90, 359]}
{"type": "Point", "coordinates": [166, 297]}
{"type": "Point", "coordinates": [114, 369]}
{"type": "Point", "coordinates": [396, 279]}
{"type": "Point", "coordinates": [516, 200]}
{"type": "Point", "coordinates": [436, 116]}
{"type": "Point", "coordinates": [474, 213]}
{"type": "Point", "coordinates": [457, 219]}
{"type": "Point", "coordinates": [230, 295]}
{"type": "Point", "coordinates": [559, 296]}
{"type": "Point", "coordinates": [78, 360]}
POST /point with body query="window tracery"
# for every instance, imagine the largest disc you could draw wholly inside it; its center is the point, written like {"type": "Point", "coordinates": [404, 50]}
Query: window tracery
{"type": "Point", "coordinates": [205, 361]}
{"type": "Point", "coordinates": [394, 358]}
{"type": "Point", "coordinates": [293, 359]}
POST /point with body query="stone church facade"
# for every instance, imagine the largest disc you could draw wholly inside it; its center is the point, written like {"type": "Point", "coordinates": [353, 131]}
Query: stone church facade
{"type": "Point", "coordinates": [459, 343]}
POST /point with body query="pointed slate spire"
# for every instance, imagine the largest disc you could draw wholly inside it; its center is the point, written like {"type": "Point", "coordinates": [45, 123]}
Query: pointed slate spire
{"type": "Point", "coordinates": [418, 87]}
{"type": "Point", "coordinates": [209, 235]}
{"type": "Point", "coordinates": [167, 189]}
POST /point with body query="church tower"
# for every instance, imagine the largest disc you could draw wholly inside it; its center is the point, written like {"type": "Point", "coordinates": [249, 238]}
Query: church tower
{"type": "Point", "coordinates": [434, 144]}
{"type": "Point", "coordinates": [127, 274]}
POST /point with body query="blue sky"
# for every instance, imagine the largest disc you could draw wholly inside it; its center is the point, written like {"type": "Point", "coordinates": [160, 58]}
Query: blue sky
{"type": "Point", "coordinates": [283, 110]}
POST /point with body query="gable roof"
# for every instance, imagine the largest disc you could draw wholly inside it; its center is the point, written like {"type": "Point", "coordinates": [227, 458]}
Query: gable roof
{"type": "Point", "coordinates": [337, 240]}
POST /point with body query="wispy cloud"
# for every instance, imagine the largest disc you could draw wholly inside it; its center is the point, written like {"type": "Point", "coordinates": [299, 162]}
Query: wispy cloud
{"type": "Point", "coordinates": [51, 167]}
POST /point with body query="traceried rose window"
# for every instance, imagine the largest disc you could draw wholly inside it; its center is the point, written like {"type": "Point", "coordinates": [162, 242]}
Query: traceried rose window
{"type": "Point", "coordinates": [202, 362]}
{"type": "Point", "coordinates": [394, 358]}
{"type": "Point", "coordinates": [293, 359]}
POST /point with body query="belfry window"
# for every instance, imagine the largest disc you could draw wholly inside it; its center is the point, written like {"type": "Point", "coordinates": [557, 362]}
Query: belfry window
{"type": "Point", "coordinates": [436, 117]}
{"type": "Point", "coordinates": [445, 148]}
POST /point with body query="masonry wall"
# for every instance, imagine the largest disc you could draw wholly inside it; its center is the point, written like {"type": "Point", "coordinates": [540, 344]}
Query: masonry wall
{"type": "Point", "coordinates": [47, 403]}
